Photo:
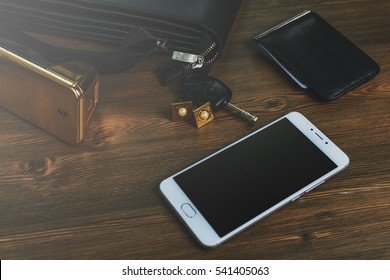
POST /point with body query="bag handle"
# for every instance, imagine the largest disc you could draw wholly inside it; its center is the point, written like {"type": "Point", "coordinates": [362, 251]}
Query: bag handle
{"type": "Point", "coordinates": [138, 44]}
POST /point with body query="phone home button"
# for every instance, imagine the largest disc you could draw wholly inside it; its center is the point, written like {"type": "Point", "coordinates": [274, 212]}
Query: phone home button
{"type": "Point", "coordinates": [188, 210]}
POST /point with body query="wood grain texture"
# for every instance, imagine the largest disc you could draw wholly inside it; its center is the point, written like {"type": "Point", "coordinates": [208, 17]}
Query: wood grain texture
{"type": "Point", "coordinates": [100, 200]}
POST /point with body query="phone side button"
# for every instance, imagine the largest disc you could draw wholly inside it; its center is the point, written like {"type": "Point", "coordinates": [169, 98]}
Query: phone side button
{"type": "Point", "coordinates": [188, 210]}
{"type": "Point", "coordinates": [295, 198]}
{"type": "Point", "coordinates": [315, 186]}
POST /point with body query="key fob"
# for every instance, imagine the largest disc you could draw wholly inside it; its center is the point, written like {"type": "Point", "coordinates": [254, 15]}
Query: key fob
{"type": "Point", "coordinates": [201, 89]}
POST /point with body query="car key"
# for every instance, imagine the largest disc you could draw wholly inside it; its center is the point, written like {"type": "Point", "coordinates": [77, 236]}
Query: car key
{"type": "Point", "coordinates": [201, 89]}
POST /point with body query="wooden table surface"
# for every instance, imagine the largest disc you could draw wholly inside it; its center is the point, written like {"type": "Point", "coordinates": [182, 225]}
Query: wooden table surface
{"type": "Point", "coordinates": [101, 200]}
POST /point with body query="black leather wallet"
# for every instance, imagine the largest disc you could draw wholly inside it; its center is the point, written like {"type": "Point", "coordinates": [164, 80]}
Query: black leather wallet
{"type": "Point", "coordinates": [316, 56]}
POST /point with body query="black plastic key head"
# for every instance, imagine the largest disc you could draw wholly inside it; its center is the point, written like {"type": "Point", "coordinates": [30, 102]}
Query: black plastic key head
{"type": "Point", "coordinates": [201, 89]}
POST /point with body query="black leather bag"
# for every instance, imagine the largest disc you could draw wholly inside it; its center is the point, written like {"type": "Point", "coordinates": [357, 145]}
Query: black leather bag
{"type": "Point", "coordinates": [193, 32]}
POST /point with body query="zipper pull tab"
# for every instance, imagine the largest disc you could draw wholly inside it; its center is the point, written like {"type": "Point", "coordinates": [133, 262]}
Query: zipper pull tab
{"type": "Point", "coordinates": [195, 61]}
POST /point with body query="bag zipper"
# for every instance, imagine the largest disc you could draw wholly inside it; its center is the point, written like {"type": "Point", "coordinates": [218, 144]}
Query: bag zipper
{"type": "Point", "coordinates": [186, 62]}
{"type": "Point", "coordinates": [192, 61]}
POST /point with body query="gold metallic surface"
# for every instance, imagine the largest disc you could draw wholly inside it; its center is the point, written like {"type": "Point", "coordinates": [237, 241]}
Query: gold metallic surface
{"type": "Point", "coordinates": [203, 115]}
{"type": "Point", "coordinates": [59, 99]}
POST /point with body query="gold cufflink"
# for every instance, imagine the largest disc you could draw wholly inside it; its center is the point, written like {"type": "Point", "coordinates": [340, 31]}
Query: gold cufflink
{"type": "Point", "coordinates": [203, 115]}
{"type": "Point", "coordinates": [181, 111]}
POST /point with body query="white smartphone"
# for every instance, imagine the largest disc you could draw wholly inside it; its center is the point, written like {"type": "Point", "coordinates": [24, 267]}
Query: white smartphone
{"type": "Point", "coordinates": [242, 183]}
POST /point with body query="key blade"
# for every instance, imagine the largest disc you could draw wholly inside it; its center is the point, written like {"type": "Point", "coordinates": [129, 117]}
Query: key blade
{"type": "Point", "coordinates": [245, 115]}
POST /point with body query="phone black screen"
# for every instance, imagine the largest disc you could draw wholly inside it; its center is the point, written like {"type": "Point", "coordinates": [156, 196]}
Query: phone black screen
{"type": "Point", "coordinates": [238, 184]}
